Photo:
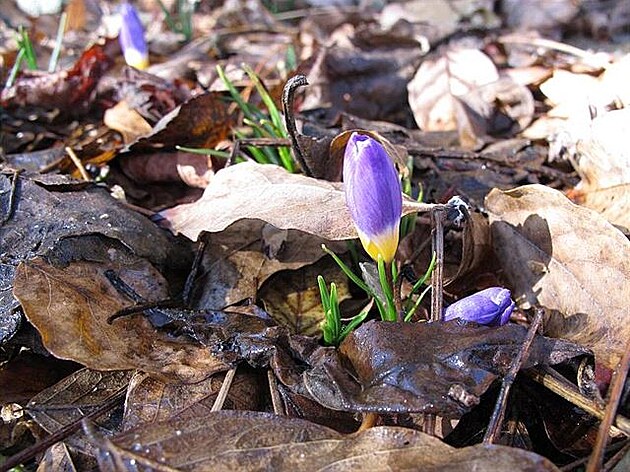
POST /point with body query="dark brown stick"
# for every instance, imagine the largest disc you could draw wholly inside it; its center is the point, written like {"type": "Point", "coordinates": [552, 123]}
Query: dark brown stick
{"type": "Point", "coordinates": [494, 428]}
{"type": "Point", "coordinates": [615, 392]}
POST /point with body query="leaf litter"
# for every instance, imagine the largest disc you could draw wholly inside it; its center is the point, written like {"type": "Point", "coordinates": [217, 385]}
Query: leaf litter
{"type": "Point", "coordinates": [521, 112]}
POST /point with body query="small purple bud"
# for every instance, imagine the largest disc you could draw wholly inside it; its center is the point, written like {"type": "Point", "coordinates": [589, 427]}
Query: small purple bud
{"type": "Point", "coordinates": [131, 38]}
{"type": "Point", "coordinates": [373, 195]}
{"type": "Point", "coordinates": [492, 307]}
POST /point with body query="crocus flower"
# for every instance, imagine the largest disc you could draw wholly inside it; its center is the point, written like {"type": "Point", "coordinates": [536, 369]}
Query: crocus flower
{"type": "Point", "coordinates": [373, 195]}
{"type": "Point", "coordinates": [492, 306]}
{"type": "Point", "coordinates": [131, 38]}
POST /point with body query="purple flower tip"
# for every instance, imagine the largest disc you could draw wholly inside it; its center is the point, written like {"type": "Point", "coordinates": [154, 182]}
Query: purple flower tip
{"type": "Point", "coordinates": [131, 38]}
{"type": "Point", "coordinates": [373, 195]}
{"type": "Point", "coordinates": [492, 307]}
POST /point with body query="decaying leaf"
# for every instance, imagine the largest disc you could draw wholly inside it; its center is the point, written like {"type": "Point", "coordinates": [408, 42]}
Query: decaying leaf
{"type": "Point", "coordinates": [50, 209]}
{"type": "Point", "coordinates": [273, 195]}
{"type": "Point", "coordinates": [195, 170]}
{"type": "Point", "coordinates": [292, 298]}
{"type": "Point", "coordinates": [440, 368]}
{"type": "Point", "coordinates": [235, 265]}
{"type": "Point", "coordinates": [566, 258]}
{"type": "Point", "coordinates": [437, 81]}
{"type": "Point", "coordinates": [70, 91]}
{"type": "Point", "coordinates": [149, 400]}
{"type": "Point", "coordinates": [70, 306]}
{"type": "Point", "coordinates": [126, 121]}
{"type": "Point", "coordinates": [603, 162]}
{"type": "Point", "coordinates": [252, 441]}
{"type": "Point", "coordinates": [201, 122]}
{"type": "Point", "coordinates": [72, 398]}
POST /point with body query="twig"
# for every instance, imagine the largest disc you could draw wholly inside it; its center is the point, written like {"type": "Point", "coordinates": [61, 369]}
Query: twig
{"type": "Point", "coordinates": [494, 428]}
{"type": "Point", "coordinates": [40, 446]}
{"type": "Point", "coordinates": [557, 384]}
{"type": "Point", "coordinates": [587, 57]}
{"type": "Point", "coordinates": [583, 460]}
{"type": "Point", "coordinates": [77, 162]}
{"type": "Point", "coordinates": [614, 396]}
{"type": "Point", "coordinates": [276, 400]}
{"type": "Point", "coordinates": [288, 97]}
{"type": "Point", "coordinates": [225, 389]}
{"type": "Point", "coordinates": [194, 269]}
{"type": "Point", "coordinates": [437, 286]}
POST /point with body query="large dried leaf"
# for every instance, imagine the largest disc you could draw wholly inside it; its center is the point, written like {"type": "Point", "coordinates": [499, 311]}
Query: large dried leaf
{"type": "Point", "coordinates": [440, 368]}
{"type": "Point", "coordinates": [149, 400]}
{"type": "Point", "coordinates": [438, 81]}
{"type": "Point", "coordinates": [271, 194]}
{"type": "Point", "coordinates": [69, 90]}
{"type": "Point", "coordinates": [70, 307]}
{"type": "Point", "coordinates": [603, 162]}
{"type": "Point", "coordinates": [202, 121]}
{"type": "Point", "coordinates": [251, 441]}
{"type": "Point", "coordinates": [49, 210]}
{"type": "Point", "coordinates": [238, 260]}
{"type": "Point", "coordinates": [569, 259]}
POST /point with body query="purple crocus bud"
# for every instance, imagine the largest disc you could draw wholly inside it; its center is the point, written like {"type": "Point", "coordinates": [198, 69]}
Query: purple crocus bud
{"type": "Point", "coordinates": [131, 38]}
{"type": "Point", "coordinates": [492, 307]}
{"type": "Point", "coordinates": [373, 195]}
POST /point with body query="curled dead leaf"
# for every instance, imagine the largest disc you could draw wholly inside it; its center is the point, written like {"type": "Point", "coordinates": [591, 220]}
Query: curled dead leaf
{"type": "Point", "coordinates": [566, 258]}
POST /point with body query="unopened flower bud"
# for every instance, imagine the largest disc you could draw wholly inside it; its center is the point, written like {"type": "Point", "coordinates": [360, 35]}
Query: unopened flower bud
{"type": "Point", "coordinates": [131, 38]}
{"type": "Point", "coordinates": [492, 307]}
{"type": "Point", "coordinates": [373, 195]}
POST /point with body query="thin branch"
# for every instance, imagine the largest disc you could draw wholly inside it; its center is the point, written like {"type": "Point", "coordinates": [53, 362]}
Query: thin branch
{"type": "Point", "coordinates": [615, 392]}
{"type": "Point", "coordinates": [494, 428]}
{"type": "Point", "coordinates": [225, 389]}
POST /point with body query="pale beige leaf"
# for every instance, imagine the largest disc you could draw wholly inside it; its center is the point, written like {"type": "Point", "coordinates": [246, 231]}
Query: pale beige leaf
{"type": "Point", "coordinates": [437, 81]}
{"type": "Point", "coordinates": [566, 258]}
{"type": "Point", "coordinates": [273, 195]}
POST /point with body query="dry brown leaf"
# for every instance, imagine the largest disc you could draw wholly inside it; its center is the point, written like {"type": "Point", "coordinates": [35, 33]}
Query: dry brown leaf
{"type": "Point", "coordinates": [603, 162]}
{"type": "Point", "coordinates": [149, 400]}
{"type": "Point", "coordinates": [70, 306]}
{"type": "Point", "coordinates": [57, 459]}
{"type": "Point", "coordinates": [237, 262]}
{"type": "Point", "coordinates": [438, 368]}
{"type": "Point", "coordinates": [72, 398]}
{"type": "Point", "coordinates": [292, 298]}
{"type": "Point", "coordinates": [195, 170]}
{"type": "Point", "coordinates": [253, 441]}
{"type": "Point", "coordinates": [566, 258]}
{"type": "Point", "coordinates": [273, 195]}
{"type": "Point", "coordinates": [126, 121]}
{"type": "Point", "coordinates": [437, 81]}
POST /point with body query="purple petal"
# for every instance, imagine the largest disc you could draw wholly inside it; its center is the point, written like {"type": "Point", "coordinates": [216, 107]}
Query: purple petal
{"type": "Point", "coordinates": [492, 306]}
{"type": "Point", "coordinates": [372, 188]}
{"type": "Point", "coordinates": [131, 37]}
